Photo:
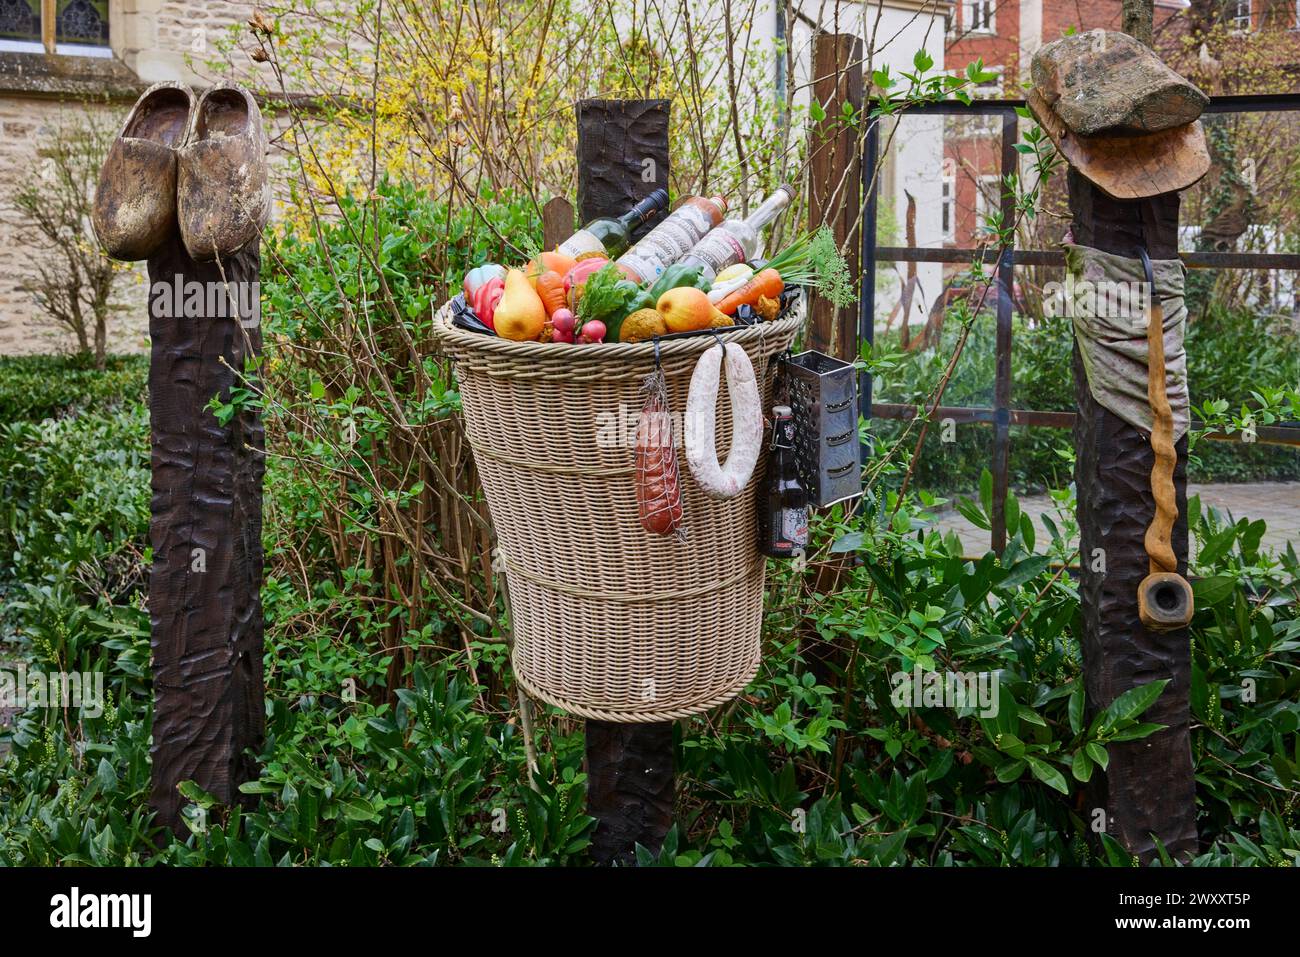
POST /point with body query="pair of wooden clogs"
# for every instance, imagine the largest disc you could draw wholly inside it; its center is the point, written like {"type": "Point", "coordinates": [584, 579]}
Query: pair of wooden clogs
{"type": "Point", "coordinates": [193, 163]}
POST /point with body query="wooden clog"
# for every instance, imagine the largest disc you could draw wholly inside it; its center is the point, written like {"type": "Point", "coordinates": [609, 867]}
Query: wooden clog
{"type": "Point", "coordinates": [135, 200]}
{"type": "Point", "coordinates": [223, 195]}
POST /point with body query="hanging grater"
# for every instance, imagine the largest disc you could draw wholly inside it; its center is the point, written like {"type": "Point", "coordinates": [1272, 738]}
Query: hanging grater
{"type": "Point", "coordinates": [823, 392]}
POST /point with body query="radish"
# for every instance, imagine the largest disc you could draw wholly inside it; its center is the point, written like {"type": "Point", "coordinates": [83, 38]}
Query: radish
{"type": "Point", "coordinates": [592, 331]}
{"type": "Point", "coordinates": [563, 320]}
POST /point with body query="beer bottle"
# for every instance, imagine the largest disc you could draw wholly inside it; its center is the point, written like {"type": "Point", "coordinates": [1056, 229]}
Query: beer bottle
{"type": "Point", "coordinates": [783, 514]}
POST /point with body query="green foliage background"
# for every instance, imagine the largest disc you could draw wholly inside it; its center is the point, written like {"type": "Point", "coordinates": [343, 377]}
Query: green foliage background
{"type": "Point", "coordinates": [804, 768]}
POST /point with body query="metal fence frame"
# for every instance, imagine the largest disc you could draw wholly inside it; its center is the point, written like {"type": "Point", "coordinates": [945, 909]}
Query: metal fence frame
{"type": "Point", "coordinates": [1001, 416]}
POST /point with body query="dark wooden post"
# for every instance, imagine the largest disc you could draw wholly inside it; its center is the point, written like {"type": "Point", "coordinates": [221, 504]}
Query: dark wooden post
{"type": "Point", "coordinates": [205, 528]}
{"type": "Point", "coordinates": [622, 158]}
{"type": "Point", "coordinates": [836, 176]}
{"type": "Point", "coordinates": [1149, 788]}
{"type": "Point", "coordinates": [1127, 125]}
{"type": "Point", "coordinates": [835, 180]}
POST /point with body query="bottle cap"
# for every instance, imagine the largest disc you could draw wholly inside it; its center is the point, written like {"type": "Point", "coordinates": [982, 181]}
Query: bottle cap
{"type": "Point", "coordinates": [781, 411]}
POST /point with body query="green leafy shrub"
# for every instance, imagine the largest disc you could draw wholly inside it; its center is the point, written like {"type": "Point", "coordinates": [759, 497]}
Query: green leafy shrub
{"type": "Point", "coordinates": [818, 763]}
{"type": "Point", "coordinates": [39, 387]}
{"type": "Point", "coordinates": [1230, 353]}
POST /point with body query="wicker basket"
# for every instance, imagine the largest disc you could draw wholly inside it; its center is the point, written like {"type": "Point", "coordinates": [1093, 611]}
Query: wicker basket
{"type": "Point", "coordinates": [658, 629]}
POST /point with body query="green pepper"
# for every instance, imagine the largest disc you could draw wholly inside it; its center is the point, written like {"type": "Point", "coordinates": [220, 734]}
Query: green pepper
{"type": "Point", "coordinates": [676, 276]}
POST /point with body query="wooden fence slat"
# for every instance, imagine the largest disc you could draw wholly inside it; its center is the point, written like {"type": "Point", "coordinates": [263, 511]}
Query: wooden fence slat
{"type": "Point", "coordinates": [835, 181]}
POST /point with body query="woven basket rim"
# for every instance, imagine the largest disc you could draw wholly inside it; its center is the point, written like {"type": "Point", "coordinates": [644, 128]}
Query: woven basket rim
{"type": "Point", "coordinates": [610, 354]}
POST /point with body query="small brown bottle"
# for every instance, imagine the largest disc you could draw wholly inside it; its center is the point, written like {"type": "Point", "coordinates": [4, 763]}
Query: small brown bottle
{"type": "Point", "coordinates": [783, 512]}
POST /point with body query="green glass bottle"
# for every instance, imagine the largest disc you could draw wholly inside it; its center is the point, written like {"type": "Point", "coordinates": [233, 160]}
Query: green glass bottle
{"type": "Point", "coordinates": [610, 236]}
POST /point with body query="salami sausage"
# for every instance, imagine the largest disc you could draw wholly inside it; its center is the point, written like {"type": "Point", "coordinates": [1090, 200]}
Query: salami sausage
{"type": "Point", "coordinates": [658, 487]}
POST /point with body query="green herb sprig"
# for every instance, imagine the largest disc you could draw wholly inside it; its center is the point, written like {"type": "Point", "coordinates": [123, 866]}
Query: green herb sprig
{"type": "Point", "coordinates": [813, 260]}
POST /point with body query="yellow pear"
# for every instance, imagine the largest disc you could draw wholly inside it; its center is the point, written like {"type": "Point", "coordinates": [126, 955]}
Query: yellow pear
{"type": "Point", "coordinates": [520, 314]}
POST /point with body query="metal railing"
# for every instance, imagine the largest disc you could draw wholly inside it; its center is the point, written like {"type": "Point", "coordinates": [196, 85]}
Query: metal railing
{"type": "Point", "coordinates": [1001, 416]}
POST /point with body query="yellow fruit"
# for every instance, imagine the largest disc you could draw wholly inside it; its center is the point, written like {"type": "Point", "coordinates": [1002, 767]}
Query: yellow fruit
{"type": "Point", "coordinates": [686, 309]}
{"type": "Point", "coordinates": [642, 325]}
{"type": "Point", "coordinates": [520, 314]}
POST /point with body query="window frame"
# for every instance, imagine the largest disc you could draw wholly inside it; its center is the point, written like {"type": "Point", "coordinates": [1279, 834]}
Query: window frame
{"type": "Point", "coordinates": [983, 201]}
{"type": "Point", "coordinates": [1235, 21]}
{"type": "Point", "coordinates": [989, 8]}
{"type": "Point", "coordinates": [948, 207]}
{"type": "Point", "coordinates": [49, 43]}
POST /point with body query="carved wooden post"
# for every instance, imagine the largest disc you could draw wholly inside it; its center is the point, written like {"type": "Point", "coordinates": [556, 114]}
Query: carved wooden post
{"type": "Point", "coordinates": [205, 607]}
{"type": "Point", "coordinates": [185, 177]}
{"type": "Point", "coordinates": [836, 171]}
{"type": "Point", "coordinates": [622, 158]}
{"type": "Point", "coordinates": [1127, 124]}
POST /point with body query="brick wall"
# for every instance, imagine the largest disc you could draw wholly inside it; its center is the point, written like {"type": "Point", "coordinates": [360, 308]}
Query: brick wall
{"type": "Point", "coordinates": [1019, 28]}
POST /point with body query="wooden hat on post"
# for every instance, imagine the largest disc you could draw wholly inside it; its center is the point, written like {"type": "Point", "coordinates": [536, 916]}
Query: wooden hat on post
{"type": "Point", "coordinates": [1120, 116]}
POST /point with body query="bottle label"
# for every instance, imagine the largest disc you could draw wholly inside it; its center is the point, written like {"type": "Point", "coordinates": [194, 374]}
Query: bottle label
{"type": "Point", "coordinates": [668, 242]}
{"type": "Point", "coordinates": [794, 525]}
{"type": "Point", "coordinates": [581, 243]}
{"type": "Point", "coordinates": [718, 250]}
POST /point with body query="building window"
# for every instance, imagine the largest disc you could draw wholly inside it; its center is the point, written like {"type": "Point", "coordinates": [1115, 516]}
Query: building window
{"type": "Point", "coordinates": [948, 208]}
{"type": "Point", "coordinates": [77, 27]}
{"type": "Point", "coordinates": [1239, 15]}
{"type": "Point", "coordinates": [989, 89]}
{"type": "Point", "coordinates": [980, 16]}
{"type": "Point", "coordinates": [83, 22]}
{"type": "Point", "coordinates": [988, 200]}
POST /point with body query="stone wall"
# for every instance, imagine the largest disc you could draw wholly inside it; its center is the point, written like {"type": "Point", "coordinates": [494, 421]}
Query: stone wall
{"type": "Point", "coordinates": [171, 39]}
{"type": "Point", "coordinates": [152, 40]}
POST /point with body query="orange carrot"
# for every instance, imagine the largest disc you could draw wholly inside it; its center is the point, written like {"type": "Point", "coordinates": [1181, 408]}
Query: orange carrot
{"type": "Point", "coordinates": [767, 283]}
{"type": "Point", "coordinates": [550, 286]}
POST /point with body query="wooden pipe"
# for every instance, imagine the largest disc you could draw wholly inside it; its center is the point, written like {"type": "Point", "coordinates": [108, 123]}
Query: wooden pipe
{"type": "Point", "coordinates": [1164, 597]}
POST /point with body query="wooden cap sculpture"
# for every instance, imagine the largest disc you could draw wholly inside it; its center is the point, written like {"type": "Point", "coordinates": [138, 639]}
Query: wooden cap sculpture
{"type": "Point", "coordinates": [1119, 115]}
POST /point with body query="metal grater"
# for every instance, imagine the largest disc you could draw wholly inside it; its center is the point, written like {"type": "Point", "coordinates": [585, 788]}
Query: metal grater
{"type": "Point", "coordinates": [824, 397]}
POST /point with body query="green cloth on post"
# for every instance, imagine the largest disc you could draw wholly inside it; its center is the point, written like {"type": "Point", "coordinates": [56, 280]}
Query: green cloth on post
{"type": "Point", "coordinates": [1106, 297]}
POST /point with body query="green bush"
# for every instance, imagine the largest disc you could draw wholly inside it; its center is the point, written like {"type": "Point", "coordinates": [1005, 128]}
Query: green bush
{"type": "Point", "coordinates": [795, 773]}
{"type": "Point", "coordinates": [40, 387]}
{"type": "Point", "coordinates": [1230, 353]}
{"type": "Point", "coordinates": [812, 765]}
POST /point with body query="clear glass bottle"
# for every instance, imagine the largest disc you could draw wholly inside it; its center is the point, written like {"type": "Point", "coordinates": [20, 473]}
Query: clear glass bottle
{"type": "Point", "coordinates": [672, 239]}
{"type": "Point", "coordinates": [610, 236]}
{"type": "Point", "coordinates": [736, 240]}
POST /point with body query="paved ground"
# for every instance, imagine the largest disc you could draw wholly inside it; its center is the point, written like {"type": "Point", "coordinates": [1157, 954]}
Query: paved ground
{"type": "Point", "coordinates": [1277, 503]}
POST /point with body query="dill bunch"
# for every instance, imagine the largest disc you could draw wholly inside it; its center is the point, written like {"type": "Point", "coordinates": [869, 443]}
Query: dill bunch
{"type": "Point", "coordinates": [813, 260]}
